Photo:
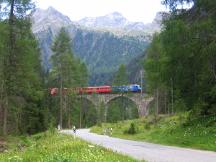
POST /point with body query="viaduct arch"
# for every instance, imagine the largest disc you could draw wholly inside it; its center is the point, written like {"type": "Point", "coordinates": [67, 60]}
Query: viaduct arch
{"type": "Point", "coordinates": [141, 101]}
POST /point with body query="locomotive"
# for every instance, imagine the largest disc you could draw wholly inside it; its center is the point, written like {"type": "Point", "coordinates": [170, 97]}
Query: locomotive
{"type": "Point", "coordinates": [100, 89]}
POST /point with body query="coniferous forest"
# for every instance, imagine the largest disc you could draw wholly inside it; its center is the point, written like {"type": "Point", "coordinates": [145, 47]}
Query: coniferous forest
{"type": "Point", "coordinates": [26, 106]}
{"type": "Point", "coordinates": [180, 65]}
{"type": "Point", "coordinates": [21, 76]}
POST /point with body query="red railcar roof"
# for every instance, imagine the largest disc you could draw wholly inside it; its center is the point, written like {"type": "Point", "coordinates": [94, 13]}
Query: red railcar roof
{"type": "Point", "coordinates": [98, 87]}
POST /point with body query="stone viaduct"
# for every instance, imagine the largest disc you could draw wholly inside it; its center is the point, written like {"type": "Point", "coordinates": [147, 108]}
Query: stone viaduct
{"type": "Point", "coordinates": [141, 101]}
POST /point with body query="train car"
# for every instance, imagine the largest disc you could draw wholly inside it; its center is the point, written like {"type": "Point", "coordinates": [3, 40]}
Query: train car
{"type": "Point", "coordinates": [99, 89]}
{"type": "Point", "coordinates": [121, 89]}
{"type": "Point", "coordinates": [53, 91]}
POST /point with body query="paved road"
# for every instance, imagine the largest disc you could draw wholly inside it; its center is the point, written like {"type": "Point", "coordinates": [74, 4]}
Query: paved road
{"type": "Point", "coordinates": [146, 151]}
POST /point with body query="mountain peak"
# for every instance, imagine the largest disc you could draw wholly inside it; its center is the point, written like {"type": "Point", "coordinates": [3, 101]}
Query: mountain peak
{"type": "Point", "coordinates": [50, 8]}
{"type": "Point", "coordinates": [111, 20]}
{"type": "Point", "coordinates": [115, 14]}
{"type": "Point", "coordinates": [43, 19]}
{"type": "Point", "coordinates": [52, 11]}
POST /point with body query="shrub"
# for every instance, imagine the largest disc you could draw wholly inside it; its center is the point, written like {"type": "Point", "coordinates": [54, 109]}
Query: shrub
{"type": "Point", "coordinates": [131, 130]}
{"type": "Point", "coordinates": [147, 126]}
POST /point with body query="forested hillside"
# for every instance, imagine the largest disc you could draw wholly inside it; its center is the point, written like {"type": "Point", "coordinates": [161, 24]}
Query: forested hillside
{"type": "Point", "coordinates": [180, 68]}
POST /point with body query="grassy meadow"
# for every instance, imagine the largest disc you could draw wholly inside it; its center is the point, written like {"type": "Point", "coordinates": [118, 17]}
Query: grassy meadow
{"type": "Point", "coordinates": [54, 147]}
{"type": "Point", "coordinates": [176, 130]}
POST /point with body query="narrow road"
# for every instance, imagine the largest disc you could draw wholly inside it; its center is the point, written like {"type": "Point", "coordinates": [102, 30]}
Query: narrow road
{"type": "Point", "coordinates": [146, 151]}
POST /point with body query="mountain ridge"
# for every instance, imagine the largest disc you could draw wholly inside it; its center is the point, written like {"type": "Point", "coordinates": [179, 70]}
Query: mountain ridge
{"type": "Point", "coordinates": [116, 20]}
{"type": "Point", "coordinates": [102, 50]}
{"type": "Point", "coordinates": [113, 22]}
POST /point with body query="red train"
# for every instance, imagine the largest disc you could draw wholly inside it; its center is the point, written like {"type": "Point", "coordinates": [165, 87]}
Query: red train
{"type": "Point", "coordinates": [83, 90]}
{"type": "Point", "coordinates": [133, 88]}
{"type": "Point", "coordinates": [90, 90]}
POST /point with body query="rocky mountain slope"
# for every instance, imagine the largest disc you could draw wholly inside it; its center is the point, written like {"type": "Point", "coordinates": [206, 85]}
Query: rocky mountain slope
{"type": "Point", "coordinates": [115, 21]}
{"type": "Point", "coordinates": [103, 48]}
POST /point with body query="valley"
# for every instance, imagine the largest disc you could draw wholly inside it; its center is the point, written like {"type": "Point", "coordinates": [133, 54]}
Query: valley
{"type": "Point", "coordinates": [150, 85]}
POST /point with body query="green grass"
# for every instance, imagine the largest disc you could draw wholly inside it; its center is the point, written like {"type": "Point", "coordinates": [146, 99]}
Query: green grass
{"type": "Point", "coordinates": [174, 130]}
{"type": "Point", "coordinates": [49, 147]}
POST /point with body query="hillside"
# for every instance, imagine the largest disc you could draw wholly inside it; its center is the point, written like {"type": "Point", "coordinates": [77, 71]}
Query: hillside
{"type": "Point", "coordinates": [134, 68]}
{"type": "Point", "coordinates": [102, 49]}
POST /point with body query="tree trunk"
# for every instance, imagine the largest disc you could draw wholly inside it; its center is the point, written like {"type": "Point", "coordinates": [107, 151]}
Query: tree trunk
{"type": "Point", "coordinates": [61, 103]}
{"type": "Point", "coordinates": [80, 120]}
{"type": "Point", "coordinates": [157, 102]}
{"type": "Point", "coordinates": [166, 111]}
{"type": "Point", "coordinates": [1, 115]}
{"type": "Point", "coordinates": [214, 70]}
{"type": "Point", "coordinates": [122, 105]}
{"type": "Point", "coordinates": [105, 113]}
{"type": "Point", "coordinates": [11, 10]}
{"type": "Point", "coordinates": [5, 117]}
{"type": "Point", "coordinates": [1, 106]}
{"type": "Point", "coordinates": [11, 64]}
{"type": "Point", "coordinates": [69, 111]}
{"type": "Point", "coordinates": [172, 97]}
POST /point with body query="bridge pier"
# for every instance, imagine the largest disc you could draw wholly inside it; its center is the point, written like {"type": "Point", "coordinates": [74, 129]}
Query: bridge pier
{"type": "Point", "coordinates": [142, 107]}
{"type": "Point", "coordinates": [105, 113]}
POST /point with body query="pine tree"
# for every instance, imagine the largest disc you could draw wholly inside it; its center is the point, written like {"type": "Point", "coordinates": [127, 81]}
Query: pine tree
{"type": "Point", "coordinates": [63, 66]}
{"type": "Point", "coordinates": [21, 70]}
{"type": "Point", "coordinates": [3, 39]}
{"type": "Point", "coordinates": [120, 77]}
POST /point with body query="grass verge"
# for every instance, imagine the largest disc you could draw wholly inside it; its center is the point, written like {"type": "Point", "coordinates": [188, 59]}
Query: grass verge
{"type": "Point", "coordinates": [54, 147]}
{"type": "Point", "coordinates": [175, 130]}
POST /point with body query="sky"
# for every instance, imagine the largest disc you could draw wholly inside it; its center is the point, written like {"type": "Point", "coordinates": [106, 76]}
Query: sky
{"type": "Point", "coordinates": [133, 10]}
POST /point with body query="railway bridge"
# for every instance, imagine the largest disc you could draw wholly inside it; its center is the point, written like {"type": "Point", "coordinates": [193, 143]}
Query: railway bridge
{"type": "Point", "coordinates": [141, 101]}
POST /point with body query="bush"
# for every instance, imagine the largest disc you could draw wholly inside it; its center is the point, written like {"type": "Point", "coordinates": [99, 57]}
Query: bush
{"type": "Point", "coordinates": [131, 130]}
{"type": "Point", "coordinates": [147, 126]}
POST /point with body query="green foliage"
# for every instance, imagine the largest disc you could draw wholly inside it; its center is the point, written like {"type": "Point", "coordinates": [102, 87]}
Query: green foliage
{"type": "Point", "coordinates": [101, 113]}
{"type": "Point", "coordinates": [63, 63]}
{"type": "Point", "coordinates": [121, 109]}
{"type": "Point", "coordinates": [88, 112]}
{"type": "Point", "coordinates": [180, 61]}
{"type": "Point", "coordinates": [21, 82]}
{"type": "Point", "coordinates": [48, 147]}
{"type": "Point", "coordinates": [68, 72]}
{"type": "Point", "coordinates": [65, 66]}
{"type": "Point", "coordinates": [174, 4]}
{"type": "Point", "coordinates": [120, 77]}
{"type": "Point", "coordinates": [131, 129]}
{"type": "Point", "coordinates": [179, 105]}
